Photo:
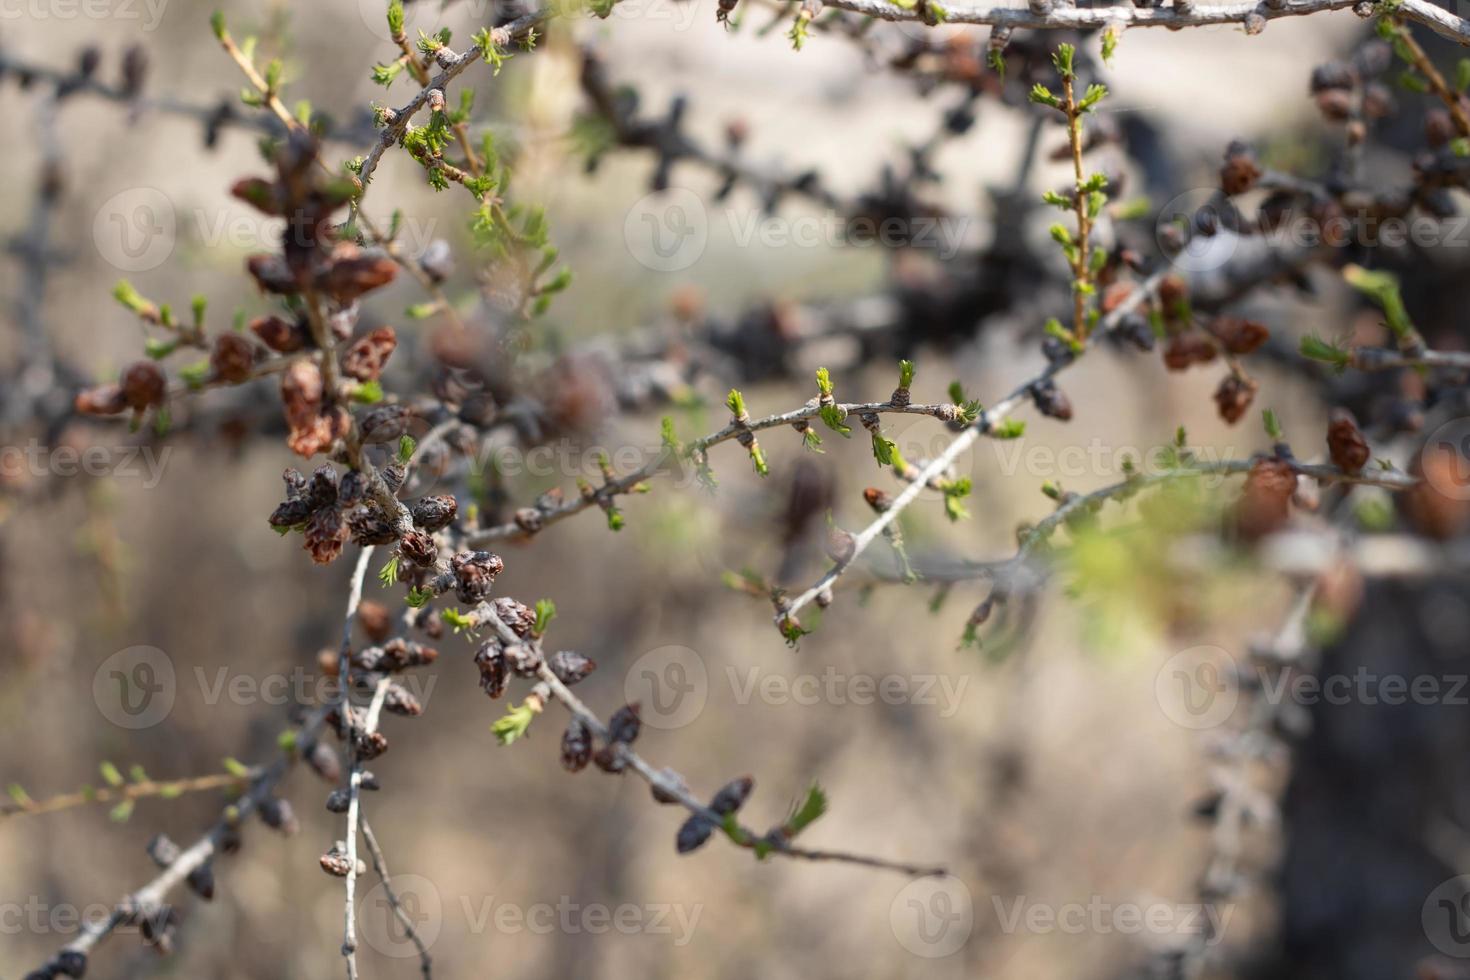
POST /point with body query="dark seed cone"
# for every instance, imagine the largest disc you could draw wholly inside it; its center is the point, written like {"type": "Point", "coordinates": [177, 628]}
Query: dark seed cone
{"type": "Point", "coordinates": [732, 795]}
{"type": "Point", "coordinates": [494, 672]}
{"type": "Point", "coordinates": [1345, 442]}
{"type": "Point", "coordinates": [693, 833]}
{"type": "Point", "coordinates": [419, 548]}
{"type": "Point", "coordinates": [434, 513]}
{"type": "Point", "coordinates": [201, 880]}
{"type": "Point", "coordinates": [625, 724]}
{"type": "Point", "coordinates": [609, 759]}
{"type": "Point", "coordinates": [570, 667]}
{"type": "Point", "coordinates": [576, 746]}
{"type": "Point", "coordinates": [278, 814]}
{"type": "Point", "coordinates": [1234, 396]}
{"type": "Point", "coordinates": [367, 357]}
{"type": "Point", "coordinates": [474, 574]}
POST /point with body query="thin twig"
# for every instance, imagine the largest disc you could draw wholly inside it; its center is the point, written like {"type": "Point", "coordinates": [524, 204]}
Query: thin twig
{"type": "Point", "coordinates": [354, 800]}
{"type": "Point", "coordinates": [1384, 359]}
{"type": "Point", "coordinates": [501, 36]}
{"type": "Point", "coordinates": [168, 788]}
{"type": "Point", "coordinates": [380, 865]}
{"type": "Point", "coordinates": [731, 432]}
{"type": "Point", "coordinates": [1421, 60]}
{"type": "Point", "coordinates": [1249, 16]}
{"type": "Point", "coordinates": [982, 426]}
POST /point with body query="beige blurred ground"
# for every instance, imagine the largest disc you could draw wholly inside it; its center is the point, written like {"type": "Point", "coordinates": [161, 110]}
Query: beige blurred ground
{"type": "Point", "coordinates": [1055, 780]}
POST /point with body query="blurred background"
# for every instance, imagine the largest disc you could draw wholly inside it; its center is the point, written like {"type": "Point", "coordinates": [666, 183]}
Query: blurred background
{"type": "Point", "coordinates": [1047, 772]}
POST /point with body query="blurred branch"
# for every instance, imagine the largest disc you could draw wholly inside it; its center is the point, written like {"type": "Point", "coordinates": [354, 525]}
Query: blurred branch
{"type": "Point", "coordinates": [1252, 17]}
{"type": "Point", "coordinates": [212, 117]}
{"type": "Point", "coordinates": [736, 430]}
{"type": "Point", "coordinates": [145, 907]}
{"type": "Point", "coordinates": [143, 789]}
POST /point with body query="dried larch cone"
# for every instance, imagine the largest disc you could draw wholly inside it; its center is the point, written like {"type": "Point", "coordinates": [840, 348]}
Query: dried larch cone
{"type": "Point", "coordinates": [434, 513]}
{"type": "Point", "coordinates": [732, 795]}
{"type": "Point", "coordinates": [143, 385]}
{"type": "Point", "coordinates": [104, 399]}
{"type": "Point", "coordinates": [367, 357]}
{"type": "Point", "coordinates": [515, 614]}
{"type": "Point", "coordinates": [576, 746]}
{"type": "Point", "coordinates": [1234, 397]}
{"type": "Point", "coordinates": [625, 724]}
{"type": "Point", "coordinates": [314, 425]}
{"type": "Point", "coordinates": [326, 533]}
{"type": "Point", "coordinates": [419, 548]}
{"type": "Point", "coordinates": [1051, 401]}
{"type": "Point", "coordinates": [1240, 171]}
{"type": "Point", "coordinates": [570, 667]}
{"type": "Point", "coordinates": [693, 833]}
{"type": "Point", "coordinates": [1265, 499]}
{"type": "Point", "coordinates": [474, 574]}
{"type": "Point", "coordinates": [494, 671]}
{"type": "Point", "coordinates": [1239, 335]}
{"type": "Point", "coordinates": [1187, 349]}
{"type": "Point", "coordinates": [232, 359]}
{"type": "Point", "coordinates": [279, 335]}
{"type": "Point", "coordinates": [1345, 442]}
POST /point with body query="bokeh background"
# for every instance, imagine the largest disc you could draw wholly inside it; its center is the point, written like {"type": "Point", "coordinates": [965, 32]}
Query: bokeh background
{"type": "Point", "coordinates": [1049, 778]}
